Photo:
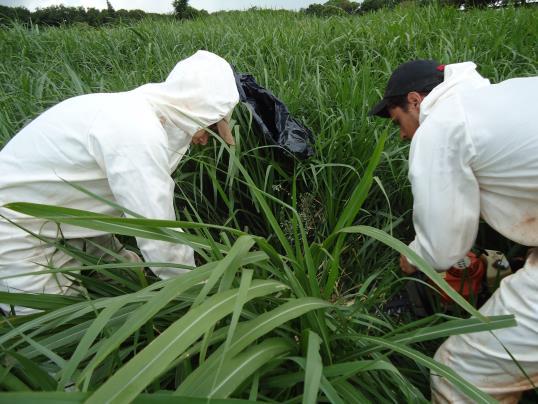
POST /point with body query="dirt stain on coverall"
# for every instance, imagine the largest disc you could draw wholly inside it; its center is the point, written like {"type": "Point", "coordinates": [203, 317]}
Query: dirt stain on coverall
{"type": "Point", "coordinates": [529, 221]}
{"type": "Point", "coordinates": [526, 230]}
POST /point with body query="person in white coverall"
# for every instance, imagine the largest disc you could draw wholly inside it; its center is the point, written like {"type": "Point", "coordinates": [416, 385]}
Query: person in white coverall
{"type": "Point", "coordinates": [121, 146]}
{"type": "Point", "coordinates": [474, 153]}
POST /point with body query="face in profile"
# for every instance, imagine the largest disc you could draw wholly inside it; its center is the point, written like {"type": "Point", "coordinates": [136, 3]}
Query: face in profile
{"type": "Point", "coordinates": [407, 118]}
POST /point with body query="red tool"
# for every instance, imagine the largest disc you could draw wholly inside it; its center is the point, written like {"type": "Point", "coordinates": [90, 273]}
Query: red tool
{"type": "Point", "coordinates": [465, 278]}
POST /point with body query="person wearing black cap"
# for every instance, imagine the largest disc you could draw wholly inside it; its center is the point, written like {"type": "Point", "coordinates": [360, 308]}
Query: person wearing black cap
{"type": "Point", "coordinates": [474, 154]}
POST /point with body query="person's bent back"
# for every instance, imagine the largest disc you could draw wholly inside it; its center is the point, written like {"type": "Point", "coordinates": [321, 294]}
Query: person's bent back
{"type": "Point", "coordinates": [120, 146]}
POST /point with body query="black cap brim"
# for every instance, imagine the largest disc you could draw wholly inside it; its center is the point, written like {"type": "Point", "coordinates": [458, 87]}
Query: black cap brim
{"type": "Point", "coordinates": [380, 109]}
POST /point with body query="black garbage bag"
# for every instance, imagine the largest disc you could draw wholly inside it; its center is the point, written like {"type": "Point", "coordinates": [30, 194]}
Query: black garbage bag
{"type": "Point", "coordinates": [271, 118]}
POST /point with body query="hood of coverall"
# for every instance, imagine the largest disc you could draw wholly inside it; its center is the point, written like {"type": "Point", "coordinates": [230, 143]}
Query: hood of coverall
{"type": "Point", "coordinates": [199, 92]}
{"type": "Point", "coordinates": [458, 77]}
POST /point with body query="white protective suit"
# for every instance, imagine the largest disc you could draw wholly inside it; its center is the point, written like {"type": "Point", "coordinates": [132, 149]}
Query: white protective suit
{"type": "Point", "coordinates": [475, 154]}
{"type": "Point", "coordinates": [120, 146]}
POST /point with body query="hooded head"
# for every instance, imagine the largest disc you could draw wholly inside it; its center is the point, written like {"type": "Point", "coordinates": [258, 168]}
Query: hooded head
{"type": "Point", "coordinates": [198, 93]}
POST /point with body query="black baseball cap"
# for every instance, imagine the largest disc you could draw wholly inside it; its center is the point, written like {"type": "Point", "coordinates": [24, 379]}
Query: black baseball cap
{"type": "Point", "coordinates": [416, 75]}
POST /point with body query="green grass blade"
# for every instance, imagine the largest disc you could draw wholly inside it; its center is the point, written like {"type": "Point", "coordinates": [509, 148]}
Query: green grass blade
{"type": "Point", "coordinates": [246, 279]}
{"type": "Point", "coordinates": [419, 262]}
{"type": "Point", "coordinates": [140, 371]}
{"type": "Point", "coordinates": [72, 336]}
{"type": "Point", "coordinates": [33, 373]}
{"type": "Point", "coordinates": [238, 369]}
{"type": "Point", "coordinates": [313, 369]}
{"type": "Point", "coordinates": [172, 289]}
{"type": "Point", "coordinates": [145, 228]}
{"type": "Point", "coordinates": [349, 214]}
{"type": "Point", "coordinates": [290, 379]}
{"type": "Point", "coordinates": [73, 216]}
{"type": "Point", "coordinates": [350, 393]}
{"type": "Point", "coordinates": [330, 391]}
{"type": "Point", "coordinates": [250, 331]}
{"type": "Point", "coordinates": [53, 357]}
{"type": "Point", "coordinates": [360, 193]}
{"type": "Point", "coordinates": [347, 369]}
{"type": "Point", "coordinates": [79, 398]}
{"type": "Point", "coordinates": [471, 391]}
{"type": "Point", "coordinates": [10, 382]}
{"type": "Point", "coordinates": [454, 327]}
{"type": "Point", "coordinates": [37, 301]}
{"type": "Point", "coordinates": [238, 250]}
{"type": "Point", "coordinates": [90, 335]}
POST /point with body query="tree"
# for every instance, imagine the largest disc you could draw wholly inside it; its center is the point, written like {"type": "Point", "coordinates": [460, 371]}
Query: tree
{"type": "Point", "coordinates": [109, 13]}
{"type": "Point", "coordinates": [333, 7]}
{"type": "Point", "coordinates": [109, 8]}
{"type": "Point", "coordinates": [372, 5]}
{"type": "Point", "coordinates": [180, 7]}
{"type": "Point", "coordinates": [14, 14]}
{"type": "Point", "coordinates": [94, 17]}
{"type": "Point", "coordinates": [349, 7]}
{"type": "Point", "coordinates": [184, 11]}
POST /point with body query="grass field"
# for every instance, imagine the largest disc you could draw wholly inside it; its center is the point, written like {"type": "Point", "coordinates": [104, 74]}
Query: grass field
{"type": "Point", "coordinates": [299, 262]}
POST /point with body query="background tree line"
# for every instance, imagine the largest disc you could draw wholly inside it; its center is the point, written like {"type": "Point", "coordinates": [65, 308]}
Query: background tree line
{"type": "Point", "coordinates": [343, 7]}
{"type": "Point", "coordinates": [61, 15]}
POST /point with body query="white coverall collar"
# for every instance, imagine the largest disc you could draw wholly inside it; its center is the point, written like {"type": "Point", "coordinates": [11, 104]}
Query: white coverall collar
{"type": "Point", "coordinates": [458, 77]}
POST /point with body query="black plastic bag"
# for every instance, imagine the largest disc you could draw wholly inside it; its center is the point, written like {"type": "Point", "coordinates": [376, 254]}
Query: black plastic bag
{"type": "Point", "coordinates": [271, 118]}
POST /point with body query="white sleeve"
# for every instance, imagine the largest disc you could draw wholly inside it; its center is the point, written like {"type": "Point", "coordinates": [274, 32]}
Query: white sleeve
{"type": "Point", "coordinates": [134, 158]}
{"type": "Point", "coordinates": [446, 207]}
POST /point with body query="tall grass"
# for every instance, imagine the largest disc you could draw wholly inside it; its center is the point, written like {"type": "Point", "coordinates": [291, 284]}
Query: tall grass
{"type": "Point", "coordinates": [285, 304]}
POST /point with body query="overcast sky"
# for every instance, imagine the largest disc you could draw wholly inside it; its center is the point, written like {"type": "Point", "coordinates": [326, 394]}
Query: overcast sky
{"type": "Point", "coordinates": [164, 6]}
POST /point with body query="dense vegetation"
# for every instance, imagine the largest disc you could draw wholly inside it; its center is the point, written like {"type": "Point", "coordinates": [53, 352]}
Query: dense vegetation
{"type": "Point", "coordinates": [287, 304]}
{"type": "Point", "coordinates": [342, 7]}
{"type": "Point", "coordinates": [61, 15]}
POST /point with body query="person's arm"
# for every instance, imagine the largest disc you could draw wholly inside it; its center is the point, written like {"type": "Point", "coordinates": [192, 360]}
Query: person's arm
{"type": "Point", "coordinates": [134, 157]}
{"type": "Point", "coordinates": [446, 193]}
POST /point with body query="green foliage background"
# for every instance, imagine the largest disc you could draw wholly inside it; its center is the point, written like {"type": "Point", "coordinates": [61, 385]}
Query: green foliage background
{"type": "Point", "coordinates": [279, 219]}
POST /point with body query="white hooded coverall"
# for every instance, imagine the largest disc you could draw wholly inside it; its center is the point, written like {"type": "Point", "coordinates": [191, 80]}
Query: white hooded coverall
{"type": "Point", "coordinates": [475, 154]}
{"type": "Point", "coordinates": [121, 146]}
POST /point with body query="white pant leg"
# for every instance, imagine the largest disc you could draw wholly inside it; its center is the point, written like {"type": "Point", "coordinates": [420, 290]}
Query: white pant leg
{"type": "Point", "coordinates": [480, 358]}
{"type": "Point", "coordinates": [56, 283]}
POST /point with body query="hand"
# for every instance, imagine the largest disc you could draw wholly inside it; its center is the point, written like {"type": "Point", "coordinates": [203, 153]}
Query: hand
{"type": "Point", "coordinates": [406, 267]}
{"type": "Point", "coordinates": [201, 137]}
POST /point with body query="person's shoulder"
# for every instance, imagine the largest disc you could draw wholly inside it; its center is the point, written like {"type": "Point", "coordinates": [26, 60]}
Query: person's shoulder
{"type": "Point", "coordinates": [518, 87]}
{"type": "Point", "coordinates": [128, 111]}
{"type": "Point", "coordinates": [123, 103]}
